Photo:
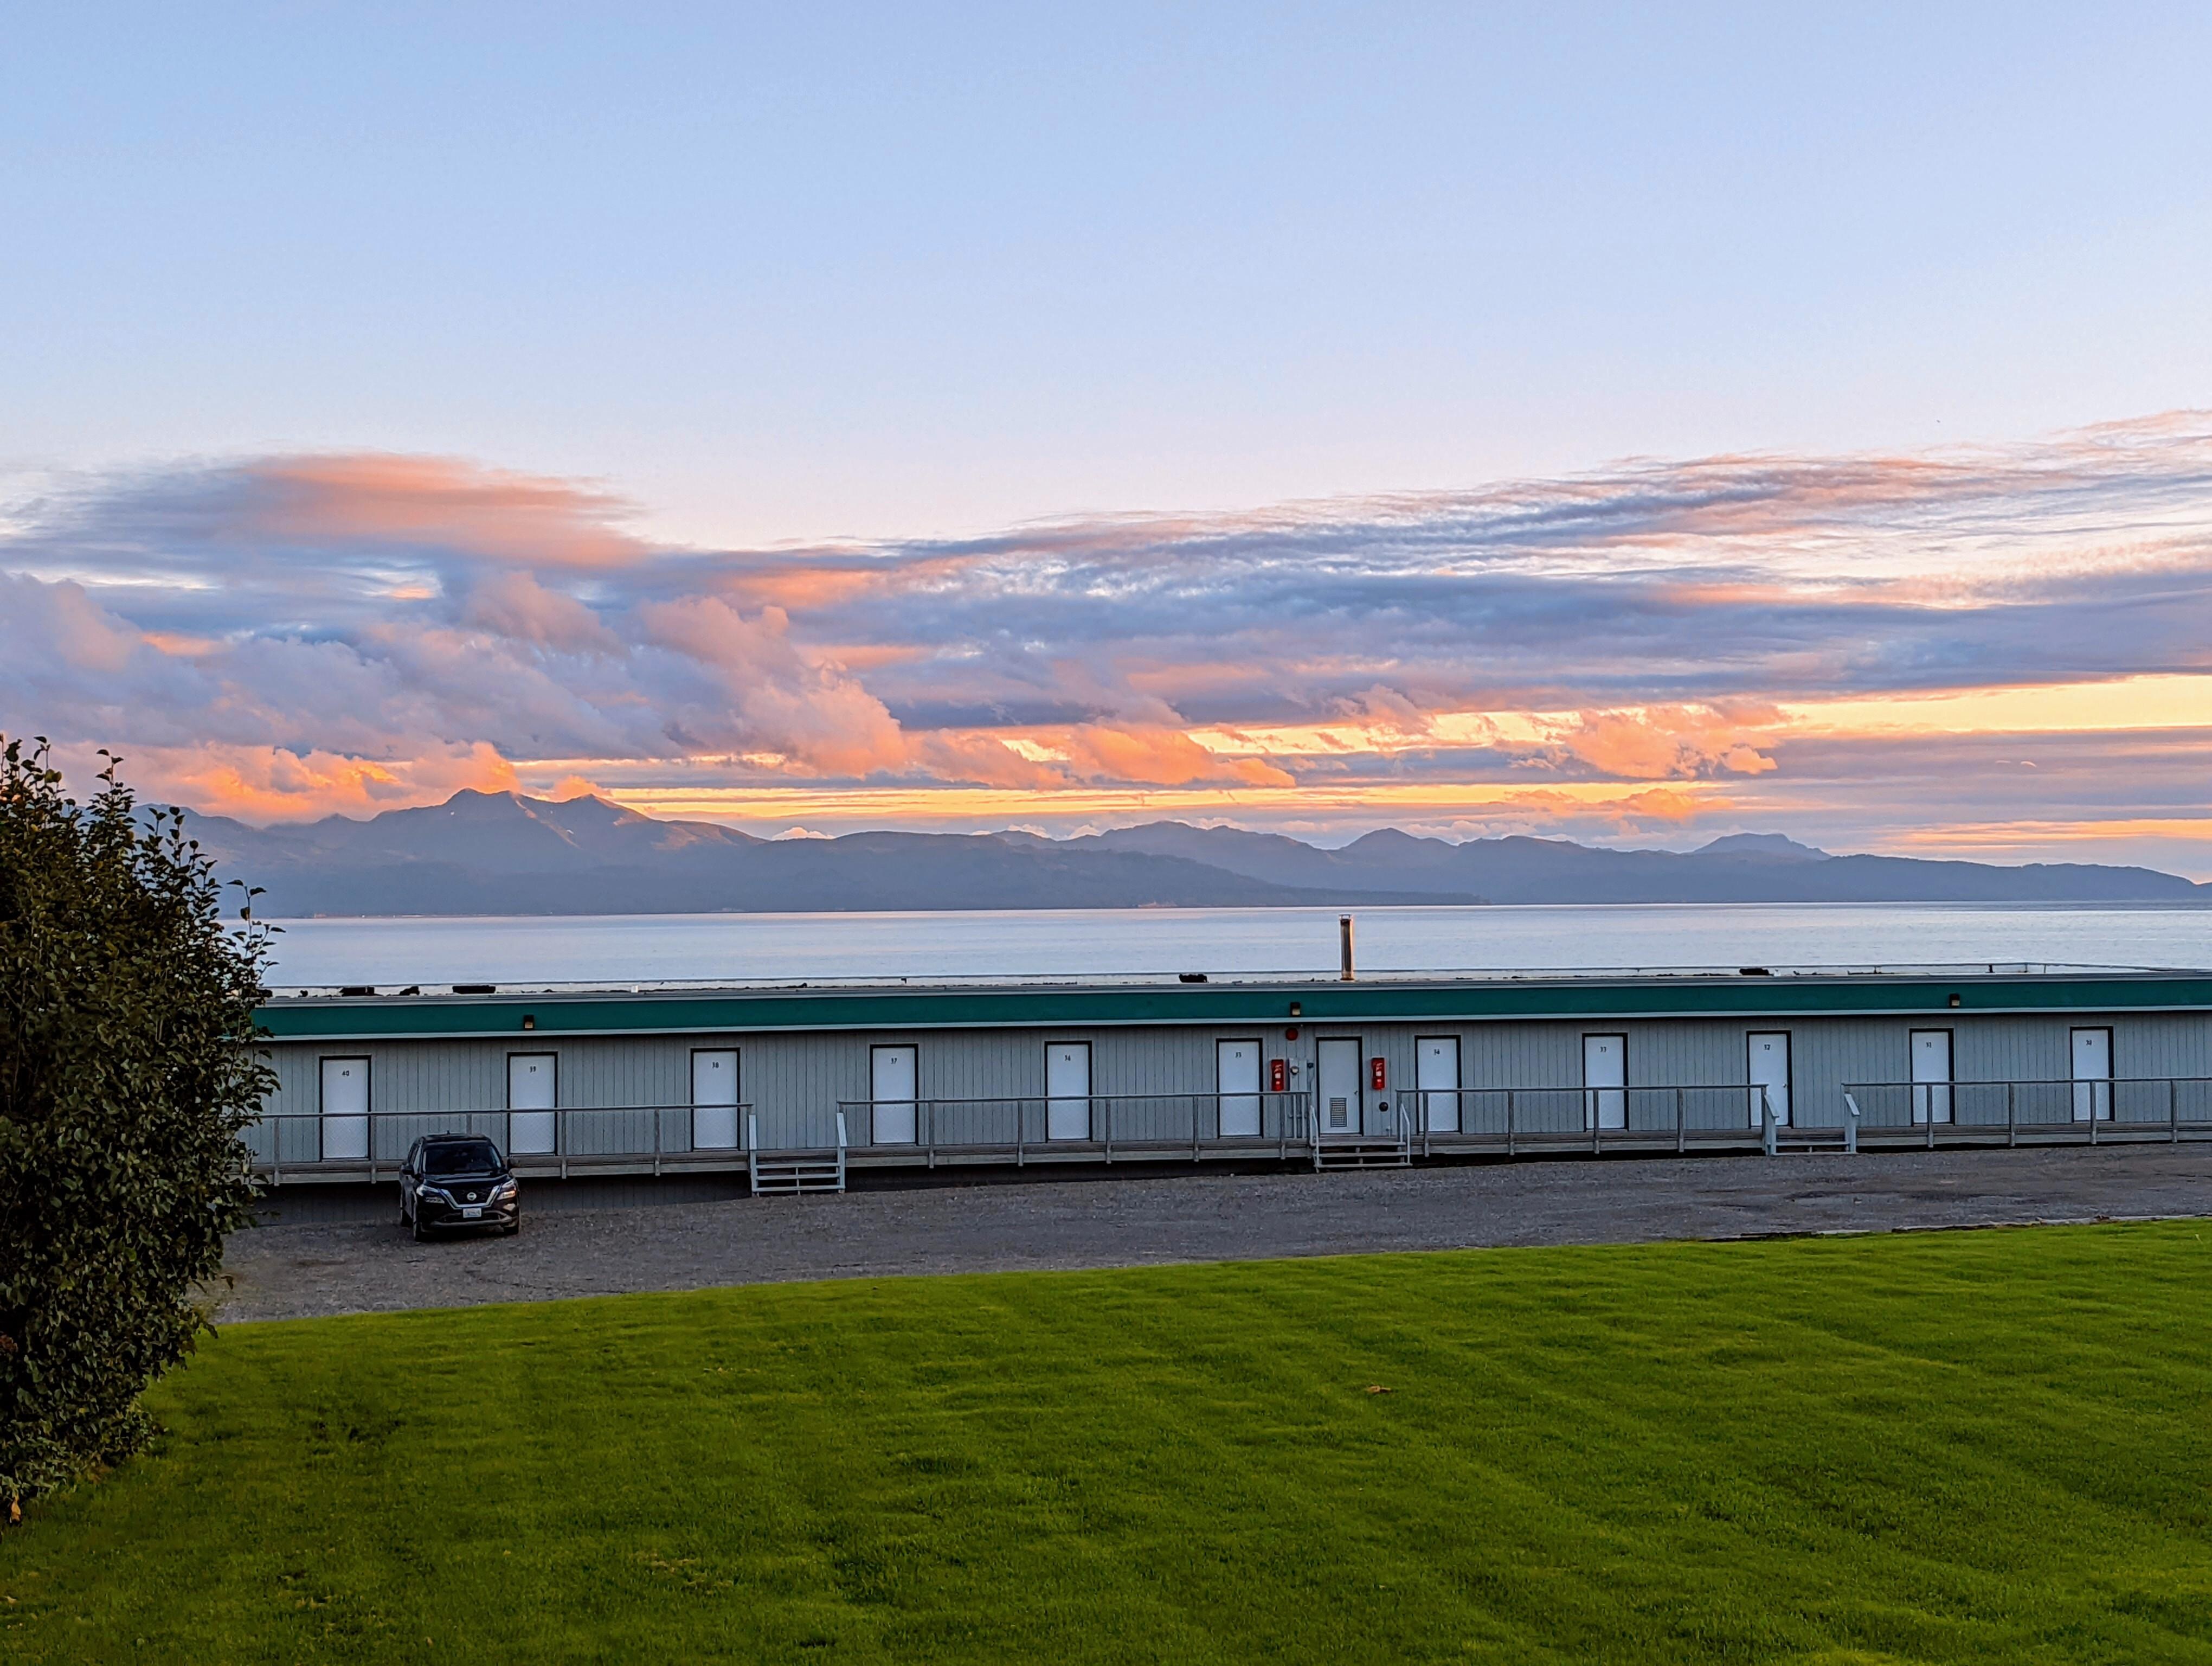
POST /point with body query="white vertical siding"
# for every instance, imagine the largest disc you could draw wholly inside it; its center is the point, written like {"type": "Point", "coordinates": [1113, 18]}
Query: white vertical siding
{"type": "Point", "coordinates": [794, 1081]}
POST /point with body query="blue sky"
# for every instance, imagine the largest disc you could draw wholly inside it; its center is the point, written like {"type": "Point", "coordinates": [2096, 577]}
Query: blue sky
{"type": "Point", "coordinates": [1637, 423]}
{"type": "Point", "coordinates": [797, 272]}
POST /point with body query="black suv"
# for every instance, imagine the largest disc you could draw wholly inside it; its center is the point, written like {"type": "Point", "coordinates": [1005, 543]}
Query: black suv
{"type": "Point", "coordinates": [457, 1179]}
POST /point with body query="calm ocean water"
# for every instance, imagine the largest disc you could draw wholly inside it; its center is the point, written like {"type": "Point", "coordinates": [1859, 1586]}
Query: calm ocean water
{"type": "Point", "coordinates": [631, 948]}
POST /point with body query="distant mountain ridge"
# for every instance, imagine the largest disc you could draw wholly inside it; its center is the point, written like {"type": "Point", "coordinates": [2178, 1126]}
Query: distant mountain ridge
{"type": "Point", "coordinates": [1742, 868]}
{"type": "Point", "coordinates": [504, 853]}
{"type": "Point", "coordinates": [508, 853]}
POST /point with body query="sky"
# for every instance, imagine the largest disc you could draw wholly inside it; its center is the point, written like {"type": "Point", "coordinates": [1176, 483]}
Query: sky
{"type": "Point", "coordinates": [1631, 424]}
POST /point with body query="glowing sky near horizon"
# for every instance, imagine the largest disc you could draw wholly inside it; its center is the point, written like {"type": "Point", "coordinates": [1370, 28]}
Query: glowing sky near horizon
{"type": "Point", "coordinates": [820, 417]}
{"type": "Point", "coordinates": [2000, 650]}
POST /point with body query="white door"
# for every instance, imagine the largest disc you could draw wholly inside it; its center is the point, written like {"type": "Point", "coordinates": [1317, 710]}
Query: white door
{"type": "Point", "coordinates": [531, 1096]}
{"type": "Point", "coordinates": [1436, 1073]}
{"type": "Point", "coordinates": [1770, 1069]}
{"type": "Point", "coordinates": [1068, 1091]}
{"type": "Point", "coordinates": [1605, 1081]}
{"type": "Point", "coordinates": [1337, 1087]}
{"type": "Point", "coordinates": [1236, 1079]}
{"type": "Point", "coordinates": [345, 1109]}
{"type": "Point", "coordinates": [2093, 1075]}
{"type": "Point", "coordinates": [1931, 1075]}
{"type": "Point", "coordinates": [891, 1085]}
{"type": "Point", "coordinates": [715, 1098]}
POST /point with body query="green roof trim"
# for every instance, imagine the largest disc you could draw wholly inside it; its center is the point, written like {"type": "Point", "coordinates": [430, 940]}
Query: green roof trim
{"type": "Point", "coordinates": [600, 1013]}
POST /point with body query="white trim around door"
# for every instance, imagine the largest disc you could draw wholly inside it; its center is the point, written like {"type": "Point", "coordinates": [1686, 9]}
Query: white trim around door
{"type": "Point", "coordinates": [1436, 1075]}
{"type": "Point", "coordinates": [1067, 1089]}
{"type": "Point", "coordinates": [1931, 1076]}
{"type": "Point", "coordinates": [894, 1073]}
{"type": "Point", "coordinates": [533, 1092]}
{"type": "Point", "coordinates": [1340, 1085]}
{"type": "Point", "coordinates": [714, 1096]}
{"type": "Point", "coordinates": [2091, 1056]}
{"type": "Point", "coordinates": [344, 1108]}
{"type": "Point", "coordinates": [1767, 1062]}
{"type": "Point", "coordinates": [1237, 1087]}
{"type": "Point", "coordinates": [1605, 1081]}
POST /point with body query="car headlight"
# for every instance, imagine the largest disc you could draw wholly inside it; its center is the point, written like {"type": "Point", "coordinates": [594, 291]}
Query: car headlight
{"type": "Point", "coordinates": [434, 1193]}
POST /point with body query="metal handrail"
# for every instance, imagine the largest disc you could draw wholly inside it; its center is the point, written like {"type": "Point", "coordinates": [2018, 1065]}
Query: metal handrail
{"type": "Point", "coordinates": [1416, 1106]}
{"type": "Point", "coordinates": [2102, 1095]}
{"type": "Point", "coordinates": [378, 1158]}
{"type": "Point", "coordinates": [2036, 1081]}
{"type": "Point", "coordinates": [1287, 1110]}
{"type": "Point", "coordinates": [367, 1144]}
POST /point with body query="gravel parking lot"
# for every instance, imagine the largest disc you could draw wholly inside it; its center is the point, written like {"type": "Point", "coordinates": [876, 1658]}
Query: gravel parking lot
{"type": "Point", "coordinates": [280, 1272]}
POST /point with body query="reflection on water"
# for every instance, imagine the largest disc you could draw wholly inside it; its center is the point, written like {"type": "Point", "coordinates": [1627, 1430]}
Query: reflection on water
{"type": "Point", "coordinates": [643, 948]}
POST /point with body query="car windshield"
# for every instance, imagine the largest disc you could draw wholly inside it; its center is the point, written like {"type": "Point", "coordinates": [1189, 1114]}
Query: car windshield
{"type": "Point", "coordinates": [461, 1156]}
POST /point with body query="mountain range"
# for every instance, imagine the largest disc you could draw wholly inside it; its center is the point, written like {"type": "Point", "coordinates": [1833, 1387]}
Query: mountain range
{"type": "Point", "coordinates": [506, 853]}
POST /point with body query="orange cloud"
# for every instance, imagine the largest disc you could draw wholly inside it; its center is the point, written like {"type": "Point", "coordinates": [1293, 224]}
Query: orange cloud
{"type": "Point", "coordinates": [823, 579]}
{"type": "Point", "coordinates": [270, 784]}
{"type": "Point", "coordinates": [2039, 834]}
{"type": "Point", "coordinates": [1599, 807]}
{"type": "Point", "coordinates": [1656, 743]}
{"type": "Point", "coordinates": [1657, 626]}
{"type": "Point", "coordinates": [983, 760]}
{"type": "Point", "coordinates": [2173, 701]}
{"type": "Point", "coordinates": [1162, 757]}
{"type": "Point", "coordinates": [1640, 743]}
{"type": "Point", "coordinates": [180, 647]}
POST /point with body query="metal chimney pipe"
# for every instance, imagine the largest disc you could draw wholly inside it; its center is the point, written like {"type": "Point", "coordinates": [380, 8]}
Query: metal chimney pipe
{"type": "Point", "coordinates": [1343, 938]}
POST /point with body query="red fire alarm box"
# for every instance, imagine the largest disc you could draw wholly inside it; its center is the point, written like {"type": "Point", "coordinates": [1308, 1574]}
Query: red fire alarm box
{"type": "Point", "coordinates": [1376, 1076]}
{"type": "Point", "coordinates": [1279, 1075]}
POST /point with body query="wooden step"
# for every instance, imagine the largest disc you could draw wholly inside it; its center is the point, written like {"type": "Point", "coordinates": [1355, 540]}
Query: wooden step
{"type": "Point", "coordinates": [1378, 1153]}
{"type": "Point", "coordinates": [1823, 1139]}
{"type": "Point", "coordinates": [788, 1175]}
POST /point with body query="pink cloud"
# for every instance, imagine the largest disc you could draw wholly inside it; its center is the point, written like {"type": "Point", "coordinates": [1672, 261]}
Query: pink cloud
{"type": "Point", "coordinates": [779, 698]}
{"type": "Point", "coordinates": [371, 625]}
{"type": "Point", "coordinates": [440, 501]}
{"type": "Point", "coordinates": [982, 760]}
{"type": "Point", "coordinates": [515, 604]}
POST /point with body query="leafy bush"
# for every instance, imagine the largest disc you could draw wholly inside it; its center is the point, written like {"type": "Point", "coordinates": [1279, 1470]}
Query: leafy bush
{"type": "Point", "coordinates": [127, 1071]}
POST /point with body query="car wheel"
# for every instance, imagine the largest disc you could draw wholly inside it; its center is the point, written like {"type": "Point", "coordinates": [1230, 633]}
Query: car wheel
{"type": "Point", "coordinates": [513, 1226]}
{"type": "Point", "coordinates": [421, 1231]}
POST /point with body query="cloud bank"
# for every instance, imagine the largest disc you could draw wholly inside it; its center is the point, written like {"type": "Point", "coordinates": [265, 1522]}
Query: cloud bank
{"type": "Point", "coordinates": [1759, 640]}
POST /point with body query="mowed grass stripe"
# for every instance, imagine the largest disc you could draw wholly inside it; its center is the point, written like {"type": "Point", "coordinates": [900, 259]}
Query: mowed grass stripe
{"type": "Point", "coordinates": [1987, 1446]}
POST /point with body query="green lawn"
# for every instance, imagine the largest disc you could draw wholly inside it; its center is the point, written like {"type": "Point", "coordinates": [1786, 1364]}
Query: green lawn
{"type": "Point", "coordinates": [1988, 1446]}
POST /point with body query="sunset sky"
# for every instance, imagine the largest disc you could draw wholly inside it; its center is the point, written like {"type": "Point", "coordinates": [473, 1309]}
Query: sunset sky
{"type": "Point", "coordinates": [1630, 426]}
